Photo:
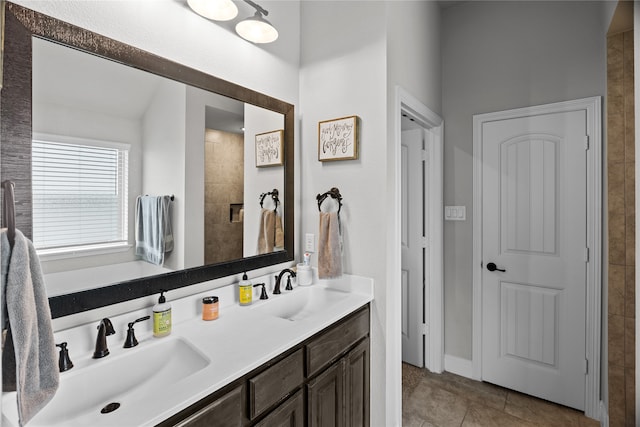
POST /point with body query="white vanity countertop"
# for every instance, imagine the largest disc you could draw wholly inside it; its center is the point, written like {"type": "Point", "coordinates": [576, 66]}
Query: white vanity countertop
{"type": "Point", "coordinates": [240, 340]}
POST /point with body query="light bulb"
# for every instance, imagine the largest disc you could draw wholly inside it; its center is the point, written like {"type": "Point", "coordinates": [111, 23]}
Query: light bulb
{"type": "Point", "coordinates": [218, 10]}
{"type": "Point", "coordinates": [256, 29]}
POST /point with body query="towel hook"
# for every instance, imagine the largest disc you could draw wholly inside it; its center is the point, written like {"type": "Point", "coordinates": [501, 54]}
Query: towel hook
{"type": "Point", "coordinates": [334, 193]}
{"type": "Point", "coordinates": [9, 211]}
{"type": "Point", "coordinates": [274, 196]}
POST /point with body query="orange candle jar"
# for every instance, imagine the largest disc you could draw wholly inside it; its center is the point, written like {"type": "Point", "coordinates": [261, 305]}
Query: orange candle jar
{"type": "Point", "coordinates": [209, 308]}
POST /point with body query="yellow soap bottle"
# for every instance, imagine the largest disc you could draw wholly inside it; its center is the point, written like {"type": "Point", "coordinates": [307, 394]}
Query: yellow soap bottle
{"type": "Point", "coordinates": [161, 317]}
{"type": "Point", "coordinates": [245, 291]}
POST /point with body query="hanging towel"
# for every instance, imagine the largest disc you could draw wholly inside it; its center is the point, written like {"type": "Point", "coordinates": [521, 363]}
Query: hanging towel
{"type": "Point", "coordinates": [329, 246]}
{"type": "Point", "coordinates": [266, 231]}
{"type": "Point", "coordinates": [154, 237]}
{"type": "Point", "coordinates": [29, 358]}
{"type": "Point", "coordinates": [279, 238]}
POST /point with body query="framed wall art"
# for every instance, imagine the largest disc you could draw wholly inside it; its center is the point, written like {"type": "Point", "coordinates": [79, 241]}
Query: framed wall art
{"type": "Point", "coordinates": [338, 139]}
{"type": "Point", "coordinates": [269, 148]}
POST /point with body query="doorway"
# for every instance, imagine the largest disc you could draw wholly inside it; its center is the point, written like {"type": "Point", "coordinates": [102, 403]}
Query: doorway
{"type": "Point", "coordinates": [537, 251]}
{"type": "Point", "coordinates": [421, 216]}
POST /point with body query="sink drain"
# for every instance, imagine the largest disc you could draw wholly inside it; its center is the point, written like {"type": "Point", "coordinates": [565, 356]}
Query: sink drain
{"type": "Point", "coordinates": [110, 408]}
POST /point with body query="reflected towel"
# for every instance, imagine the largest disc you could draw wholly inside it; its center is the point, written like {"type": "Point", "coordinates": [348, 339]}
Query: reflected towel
{"type": "Point", "coordinates": [329, 246]}
{"type": "Point", "coordinates": [266, 231]}
{"type": "Point", "coordinates": [154, 236]}
{"type": "Point", "coordinates": [279, 239]}
{"type": "Point", "coordinates": [29, 358]}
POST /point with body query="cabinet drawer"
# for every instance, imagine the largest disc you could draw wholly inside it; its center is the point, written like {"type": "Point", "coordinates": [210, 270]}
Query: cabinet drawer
{"type": "Point", "coordinates": [289, 414]}
{"type": "Point", "coordinates": [270, 386]}
{"type": "Point", "coordinates": [224, 412]}
{"type": "Point", "coordinates": [336, 341]}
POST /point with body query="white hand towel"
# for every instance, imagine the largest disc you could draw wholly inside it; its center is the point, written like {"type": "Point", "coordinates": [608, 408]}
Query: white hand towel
{"type": "Point", "coordinates": [30, 361]}
{"type": "Point", "coordinates": [329, 246]}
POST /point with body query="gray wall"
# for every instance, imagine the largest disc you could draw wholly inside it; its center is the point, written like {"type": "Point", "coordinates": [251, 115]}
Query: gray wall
{"type": "Point", "coordinates": [498, 56]}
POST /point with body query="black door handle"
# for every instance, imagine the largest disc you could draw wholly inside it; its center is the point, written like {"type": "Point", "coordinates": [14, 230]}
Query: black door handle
{"type": "Point", "coordinates": [492, 267]}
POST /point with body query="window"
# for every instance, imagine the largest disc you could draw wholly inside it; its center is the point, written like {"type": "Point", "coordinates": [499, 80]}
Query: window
{"type": "Point", "coordinates": [79, 194]}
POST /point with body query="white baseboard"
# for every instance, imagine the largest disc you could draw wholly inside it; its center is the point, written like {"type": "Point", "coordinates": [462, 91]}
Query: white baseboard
{"type": "Point", "coordinates": [604, 415]}
{"type": "Point", "coordinates": [458, 366]}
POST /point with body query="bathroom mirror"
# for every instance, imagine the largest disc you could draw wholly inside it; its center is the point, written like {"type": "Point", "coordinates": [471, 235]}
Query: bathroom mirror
{"type": "Point", "coordinates": [207, 102]}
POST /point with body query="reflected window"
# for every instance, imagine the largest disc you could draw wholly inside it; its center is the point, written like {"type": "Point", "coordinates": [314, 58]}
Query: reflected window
{"type": "Point", "coordinates": [79, 194]}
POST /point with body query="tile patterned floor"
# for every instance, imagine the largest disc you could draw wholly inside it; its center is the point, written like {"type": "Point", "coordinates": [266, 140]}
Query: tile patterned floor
{"type": "Point", "coordinates": [444, 400]}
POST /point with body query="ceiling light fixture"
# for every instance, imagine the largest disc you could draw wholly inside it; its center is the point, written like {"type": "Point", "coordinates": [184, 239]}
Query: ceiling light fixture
{"type": "Point", "coordinates": [256, 28]}
{"type": "Point", "coordinates": [218, 10]}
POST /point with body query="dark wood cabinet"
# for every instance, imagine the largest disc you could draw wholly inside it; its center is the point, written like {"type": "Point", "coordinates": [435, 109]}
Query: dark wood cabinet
{"type": "Point", "coordinates": [225, 411]}
{"type": "Point", "coordinates": [321, 382]}
{"type": "Point", "coordinates": [289, 414]}
{"type": "Point", "coordinates": [325, 397]}
{"type": "Point", "coordinates": [339, 396]}
{"type": "Point", "coordinates": [357, 385]}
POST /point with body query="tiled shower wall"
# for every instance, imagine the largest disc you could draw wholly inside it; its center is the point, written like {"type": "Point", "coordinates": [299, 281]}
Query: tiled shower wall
{"type": "Point", "coordinates": [224, 186]}
{"type": "Point", "coordinates": [621, 227]}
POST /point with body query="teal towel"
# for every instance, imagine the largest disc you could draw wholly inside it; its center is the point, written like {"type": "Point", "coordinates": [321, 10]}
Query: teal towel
{"type": "Point", "coordinates": [29, 359]}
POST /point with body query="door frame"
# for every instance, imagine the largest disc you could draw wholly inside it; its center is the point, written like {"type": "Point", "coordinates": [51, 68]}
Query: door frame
{"type": "Point", "coordinates": [426, 118]}
{"type": "Point", "coordinates": [593, 110]}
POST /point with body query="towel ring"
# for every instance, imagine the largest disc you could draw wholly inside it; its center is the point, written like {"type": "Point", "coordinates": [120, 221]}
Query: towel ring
{"type": "Point", "coordinates": [334, 193]}
{"type": "Point", "coordinates": [9, 211]}
{"type": "Point", "coordinates": [274, 196]}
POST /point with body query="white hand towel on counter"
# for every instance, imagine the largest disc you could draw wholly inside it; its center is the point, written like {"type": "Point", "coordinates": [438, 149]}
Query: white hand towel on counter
{"type": "Point", "coordinates": [30, 360]}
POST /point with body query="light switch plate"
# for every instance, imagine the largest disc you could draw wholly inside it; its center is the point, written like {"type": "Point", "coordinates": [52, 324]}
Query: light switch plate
{"type": "Point", "coordinates": [455, 213]}
{"type": "Point", "coordinates": [309, 242]}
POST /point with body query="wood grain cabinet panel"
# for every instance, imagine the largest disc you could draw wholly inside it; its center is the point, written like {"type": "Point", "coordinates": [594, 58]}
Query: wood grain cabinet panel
{"type": "Point", "coordinates": [276, 382]}
{"type": "Point", "coordinates": [329, 345]}
{"type": "Point", "coordinates": [289, 414]}
{"type": "Point", "coordinates": [223, 412]}
{"type": "Point", "coordinates": [357, 385]}
{"type": "Point", "coordinates": [325, 396]}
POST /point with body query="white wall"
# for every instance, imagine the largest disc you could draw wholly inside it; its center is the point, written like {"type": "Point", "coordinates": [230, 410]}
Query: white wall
{"type": "Point", "coordinates": [353, 55]}
{"type": "Point", "coordinates": [497, 56]}
{"type": "Point", "coordinates": [259, 180]}
{"type": "Point", "coordinates": [414, 64]}
{"type": "Point", "coordinates": [163, 160]}
{"type": "Point", "coordinates": [343, 73]}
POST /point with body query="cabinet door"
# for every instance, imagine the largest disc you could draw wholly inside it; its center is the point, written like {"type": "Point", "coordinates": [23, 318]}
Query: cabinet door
{"type": "Point", "coordinates": [326, 397]}
{"type": "Point", "coordinates": [357, 385]}
{"type": "Point", "coordinates": [289, 414]}
{"type": "Point", "coordinates": [223, 412]}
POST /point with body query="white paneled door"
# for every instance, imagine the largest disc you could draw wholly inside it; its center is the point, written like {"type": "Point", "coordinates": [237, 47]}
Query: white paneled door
{"type": "Point", "coordinates": [412, 238]}
{"type": "Point", "coordinates": [534, 255]}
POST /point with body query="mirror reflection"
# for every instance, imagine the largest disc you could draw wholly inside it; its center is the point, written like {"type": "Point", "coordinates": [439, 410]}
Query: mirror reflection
{"type": "Point", "coordinates": [107, 135]}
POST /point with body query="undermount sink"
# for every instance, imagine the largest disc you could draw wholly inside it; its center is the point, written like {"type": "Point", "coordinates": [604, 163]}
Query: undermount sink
{"type": "Point", "coordinates": [119, 380]}
{"type": "Point", "coordinates": [301, 303]}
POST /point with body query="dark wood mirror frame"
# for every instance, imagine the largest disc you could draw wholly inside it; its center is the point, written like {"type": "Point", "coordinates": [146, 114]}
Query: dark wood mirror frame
{"type": "Point", "coordinates": [21, 24]}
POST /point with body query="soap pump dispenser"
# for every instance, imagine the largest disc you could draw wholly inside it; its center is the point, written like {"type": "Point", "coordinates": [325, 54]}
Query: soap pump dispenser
{"type": "Point", "coordinates": [161, 317]}
{"type": "Point", "coordinates": [245, 291]}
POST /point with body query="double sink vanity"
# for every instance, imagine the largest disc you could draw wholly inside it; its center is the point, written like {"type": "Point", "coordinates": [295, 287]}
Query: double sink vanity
{"type": "Point", "coordinates": [300, 358]}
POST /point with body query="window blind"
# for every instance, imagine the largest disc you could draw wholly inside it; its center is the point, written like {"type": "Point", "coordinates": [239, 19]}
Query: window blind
{"type": "Point", "coordinates": [79, 194]}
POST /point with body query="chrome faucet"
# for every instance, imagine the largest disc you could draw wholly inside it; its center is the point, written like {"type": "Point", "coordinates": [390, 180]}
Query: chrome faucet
{"type": "Point", "coordinates": [105, 328]}
{"type": "Point", "coordinates": [276, 288]}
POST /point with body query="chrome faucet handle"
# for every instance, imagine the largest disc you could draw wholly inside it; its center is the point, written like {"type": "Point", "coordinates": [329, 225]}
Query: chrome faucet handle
{"type": "Point", "coordinates": [105, 328]}
{"type": "Point", "coordinates": [131, 340]}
